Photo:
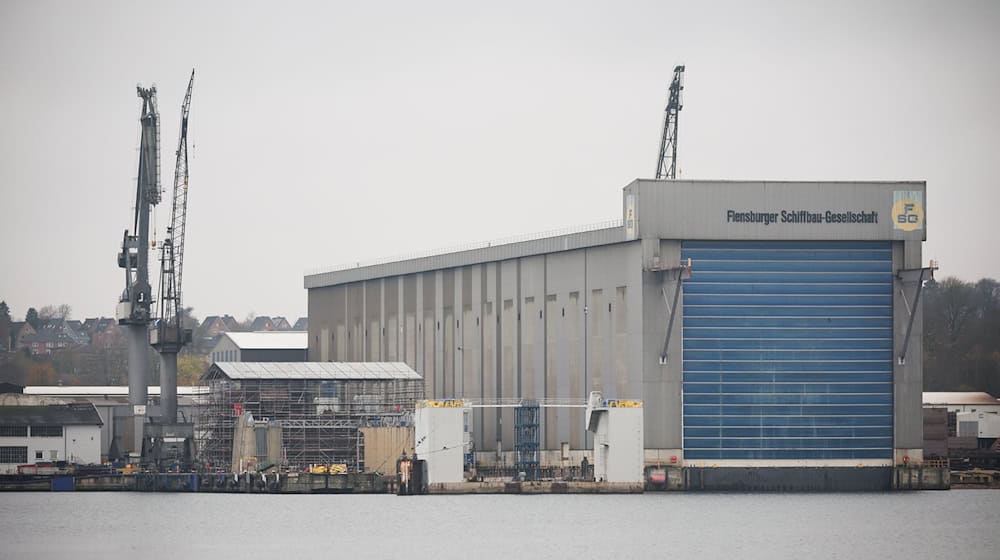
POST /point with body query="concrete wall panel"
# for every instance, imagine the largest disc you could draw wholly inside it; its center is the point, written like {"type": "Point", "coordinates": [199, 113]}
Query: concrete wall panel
{"type": "Point", "coordinates": [907, 377]}
{"type": "Point", "coordinates": [662, 383]}
{"type": "Point", "coordinates": [491, 319]}
{"type": "Point", "coordinates": [532, 341]}
{"type": "Point", "coordinates": [509, 345]}
{"type": "Point", "coordinates": [565, 376]}
{"type": "Point", "coordinates": [410, 321]}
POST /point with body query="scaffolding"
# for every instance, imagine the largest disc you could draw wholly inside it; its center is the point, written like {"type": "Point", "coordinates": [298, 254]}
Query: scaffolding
{"type": "Point", "coordinates": [527, 438]}
{"type": "Point", "coordinates": [321, 408]}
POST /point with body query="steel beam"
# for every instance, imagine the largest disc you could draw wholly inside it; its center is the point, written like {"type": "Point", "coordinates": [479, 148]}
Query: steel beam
{"type": "Point", "coordinates": [907, 276]}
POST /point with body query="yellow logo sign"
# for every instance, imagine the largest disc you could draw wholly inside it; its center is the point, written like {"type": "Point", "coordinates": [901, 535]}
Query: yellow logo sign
{"type": "Point", "coordinates": [618, 403]}
{"type": "Point", "coordinates": [443, 403]}
{"type": "Point", "coordinates": [907, 210]}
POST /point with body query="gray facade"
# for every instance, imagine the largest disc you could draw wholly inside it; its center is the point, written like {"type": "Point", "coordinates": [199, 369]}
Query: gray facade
{"type": "Point", "coordinates": [562, 316]}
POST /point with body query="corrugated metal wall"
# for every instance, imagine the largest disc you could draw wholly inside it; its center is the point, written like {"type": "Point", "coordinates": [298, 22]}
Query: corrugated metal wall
{"type": "Point", "coordinates": [543, 326]}
{"type": "Point", "coordinates": [788, 350]}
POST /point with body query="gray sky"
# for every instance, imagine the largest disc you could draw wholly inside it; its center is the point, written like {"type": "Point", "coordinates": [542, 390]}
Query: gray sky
{"type": "Point", "coordinates": [330, 132]}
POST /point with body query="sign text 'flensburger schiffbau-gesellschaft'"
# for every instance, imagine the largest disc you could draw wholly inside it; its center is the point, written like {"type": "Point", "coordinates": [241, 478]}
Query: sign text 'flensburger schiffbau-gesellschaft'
{"type": "Point", "coordinates": [801, 217]}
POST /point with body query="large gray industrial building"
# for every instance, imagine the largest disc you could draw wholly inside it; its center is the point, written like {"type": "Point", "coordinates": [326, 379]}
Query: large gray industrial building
{"type": "Point", "coordinates": [791, 341]}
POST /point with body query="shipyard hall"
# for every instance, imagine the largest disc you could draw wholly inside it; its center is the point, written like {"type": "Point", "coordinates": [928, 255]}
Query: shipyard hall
{"type": "Point", "coordinates": [762, 325]}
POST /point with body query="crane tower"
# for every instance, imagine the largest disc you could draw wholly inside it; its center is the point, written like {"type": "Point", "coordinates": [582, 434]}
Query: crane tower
{"type": "Point", "coordinates": [666, 163]}
{"type": "Point", "coordinates": [134, 307]}
{"type": "Point", "coordinates": [167, 441]}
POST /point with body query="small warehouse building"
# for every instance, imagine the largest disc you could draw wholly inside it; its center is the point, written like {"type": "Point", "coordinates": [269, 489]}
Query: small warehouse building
{"type": "Point", "coordinates": [264, 346]}
{"type": "Point", "coordinates": [763, 324]}
{"type": "Point", "coordinates": [37, 433]}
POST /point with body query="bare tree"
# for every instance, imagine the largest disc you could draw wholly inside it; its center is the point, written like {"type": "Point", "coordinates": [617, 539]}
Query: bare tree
{"type": "Point", "coordinates": [64, 311]}
{"type": "Point", "coordinates": [61, 311]}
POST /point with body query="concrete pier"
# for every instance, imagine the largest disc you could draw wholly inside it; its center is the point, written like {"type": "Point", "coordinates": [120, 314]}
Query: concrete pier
{"type": "Point", "coordinates": [921, 477]}
{"type": "Point", "coordinates": [246, 483]}
{"type": "Point", "coordinates": [452, 488]}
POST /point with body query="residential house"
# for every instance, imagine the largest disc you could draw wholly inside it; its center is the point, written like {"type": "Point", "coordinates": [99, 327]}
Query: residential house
{"type": "Point", "coordinates": [208, 333]}
{"type": "Point", "coordinates": [54, 334]}
{"type": "Point", "coordinates": [281, 324]}
{"type": "Point", "coordinates": [19, 333]}
{"type": "Point", "coordinates": [262, 323]}
{"type": "Point", "coordinates": [301, 325]}
{"type": "Point", "coordinates": [105, 333]}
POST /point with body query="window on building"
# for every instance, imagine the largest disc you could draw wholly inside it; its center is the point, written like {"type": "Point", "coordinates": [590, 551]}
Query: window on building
{"type": "Point", "coordinates": [39, 455]}
{"type": "Point", "coordinates": [14, 454]}
{"type": "Point", "coordinates": [46, 431]}
{"type": "Point", "coordinates": [13, 431]}
{"type": "Point", "coordinates": [53, 455]}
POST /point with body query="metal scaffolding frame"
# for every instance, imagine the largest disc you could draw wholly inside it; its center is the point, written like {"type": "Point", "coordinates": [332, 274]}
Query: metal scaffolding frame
{"type": "Point", "coordinates": [320, 418]}
{"type": "Point", "coordinates": [527, 418]}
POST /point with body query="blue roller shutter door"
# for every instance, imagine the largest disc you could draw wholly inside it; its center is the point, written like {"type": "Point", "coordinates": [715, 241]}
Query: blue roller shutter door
{"type": "Point", "coordinates": [788, 350]}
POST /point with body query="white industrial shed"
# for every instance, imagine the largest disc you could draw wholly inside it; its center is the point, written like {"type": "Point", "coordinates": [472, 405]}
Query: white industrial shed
{"type": "Point", "coordinates": [263, 346]}
{"type": "Point", "coordinates": [48, 433]}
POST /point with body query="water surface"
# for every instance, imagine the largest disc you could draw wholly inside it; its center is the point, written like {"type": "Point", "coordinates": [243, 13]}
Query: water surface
{"type": "Point", "coordinates": [962, 524]}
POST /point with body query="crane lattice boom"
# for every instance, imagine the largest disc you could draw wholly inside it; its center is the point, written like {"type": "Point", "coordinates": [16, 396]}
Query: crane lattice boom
{"type": "Point", "coordinates": [171, 326]}
{"type": "Point", "coordinates": [666, 163]}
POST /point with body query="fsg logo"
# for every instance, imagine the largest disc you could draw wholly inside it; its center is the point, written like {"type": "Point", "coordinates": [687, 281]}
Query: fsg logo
{"type": "Point", "coordinates": [908, 211]}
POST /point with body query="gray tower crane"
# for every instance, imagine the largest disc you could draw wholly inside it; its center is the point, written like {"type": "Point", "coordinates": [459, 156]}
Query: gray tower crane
{"type": "Point", "coordinates": [666, 163]}
{"type": "Point", "coordinates": [167, 441]}
{"type": "Point", "coordinates": [168, 334]}
{"type": "Point", "coordinates": [134, 306]}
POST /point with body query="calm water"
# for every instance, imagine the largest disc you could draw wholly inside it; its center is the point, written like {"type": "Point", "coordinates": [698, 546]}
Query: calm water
{"type": "Point", "coordinates": [959, 524]}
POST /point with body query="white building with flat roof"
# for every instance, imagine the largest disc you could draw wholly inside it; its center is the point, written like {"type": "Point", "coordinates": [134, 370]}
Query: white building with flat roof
{"type": "Point", "coordinates": [962, 401]}
{"type": "Point", "coordinates": [48, 433]}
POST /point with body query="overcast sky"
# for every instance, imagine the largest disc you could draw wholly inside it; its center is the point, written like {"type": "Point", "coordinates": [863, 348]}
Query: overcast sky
{"type": "Point", "coordinates": [327, 132]}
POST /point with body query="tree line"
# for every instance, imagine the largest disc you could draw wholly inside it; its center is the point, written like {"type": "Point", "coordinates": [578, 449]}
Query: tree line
{"type": "Point", "coordinates": [962, 335]}
{"type": "Point", "coordinates": [91, 364]}
{"type": "Point", "coordinates": [961, 344]}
